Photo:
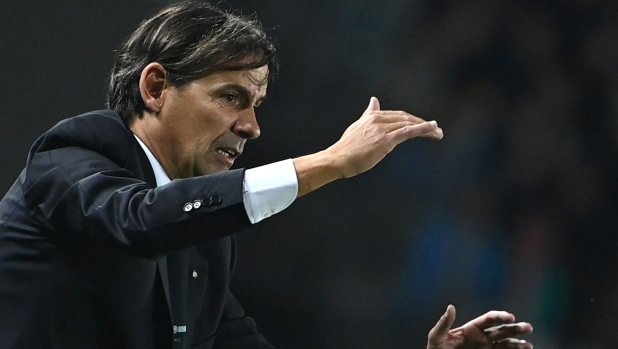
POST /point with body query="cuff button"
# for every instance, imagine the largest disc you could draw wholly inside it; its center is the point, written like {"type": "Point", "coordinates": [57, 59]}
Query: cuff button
{"type": "Point", "coordinates": [214, 200]}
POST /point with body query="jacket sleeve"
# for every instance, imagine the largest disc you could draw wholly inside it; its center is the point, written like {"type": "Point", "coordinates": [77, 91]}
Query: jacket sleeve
{"type": "Point", "coordinates": [82, 196]}
{"type": "Point", "coordinates": [236, 330]}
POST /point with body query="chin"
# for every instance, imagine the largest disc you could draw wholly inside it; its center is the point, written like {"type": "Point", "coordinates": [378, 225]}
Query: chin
{"type": "Point", "coordinates": [212, 170]}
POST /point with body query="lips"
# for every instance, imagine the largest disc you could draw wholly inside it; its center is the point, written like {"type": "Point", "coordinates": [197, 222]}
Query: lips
{"type": "Point", "coordinates": [229, 152]}
{"type": "Point", "coordinates": [227, 149]}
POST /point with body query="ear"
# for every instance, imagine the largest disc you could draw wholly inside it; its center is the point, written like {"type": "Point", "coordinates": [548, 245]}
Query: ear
{"type": "Point", "coordinates": [151, 85]}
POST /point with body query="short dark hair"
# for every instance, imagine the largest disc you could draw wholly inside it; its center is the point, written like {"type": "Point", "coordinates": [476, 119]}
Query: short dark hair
{"type": "Point", "coordinates": [190, 40]}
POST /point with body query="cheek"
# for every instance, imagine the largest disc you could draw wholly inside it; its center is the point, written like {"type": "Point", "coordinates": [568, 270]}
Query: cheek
{"type": "Point", "coordinates": [216, 125]}
{"type": "Point", "coordinates": [200, 130]}
{"type": "Point", "coordinates": [204, 137]}
{"type": "Point", "coordinates": [203, 145]}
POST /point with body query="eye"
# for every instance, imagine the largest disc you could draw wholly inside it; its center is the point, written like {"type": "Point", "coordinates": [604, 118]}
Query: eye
{"type": "Point", "coordinates": [230, 97]}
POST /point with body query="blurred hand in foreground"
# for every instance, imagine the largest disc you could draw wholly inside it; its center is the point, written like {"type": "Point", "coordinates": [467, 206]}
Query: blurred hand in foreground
{"type": "Point", "coordinates": [492, 330]}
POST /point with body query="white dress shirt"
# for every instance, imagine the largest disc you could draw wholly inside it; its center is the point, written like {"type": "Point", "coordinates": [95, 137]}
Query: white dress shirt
{"type": "Point", "coordinates": [267, 189]}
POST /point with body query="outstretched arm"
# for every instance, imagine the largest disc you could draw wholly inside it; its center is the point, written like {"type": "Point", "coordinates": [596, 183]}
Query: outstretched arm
{"type": "Point", "coordinates": [493, 330]}
{"type": "Point", "coordinates": [365, 143]}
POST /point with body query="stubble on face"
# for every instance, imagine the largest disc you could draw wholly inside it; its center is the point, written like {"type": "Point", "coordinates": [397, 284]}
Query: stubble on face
{"type": "Point", "coordinates": [203, 125]}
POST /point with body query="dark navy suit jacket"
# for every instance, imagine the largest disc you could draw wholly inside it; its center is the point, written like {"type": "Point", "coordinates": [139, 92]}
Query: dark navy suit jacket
{"type": "Point", "coordinates": [93, 255]}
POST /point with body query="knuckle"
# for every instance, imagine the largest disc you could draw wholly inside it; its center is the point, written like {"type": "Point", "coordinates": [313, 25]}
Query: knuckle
{"type": "Point", "coordinates": [376, 117]}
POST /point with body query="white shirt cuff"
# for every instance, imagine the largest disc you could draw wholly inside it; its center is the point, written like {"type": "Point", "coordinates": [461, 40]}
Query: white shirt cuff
{"type": "Point", "coordinates": [269, 189]}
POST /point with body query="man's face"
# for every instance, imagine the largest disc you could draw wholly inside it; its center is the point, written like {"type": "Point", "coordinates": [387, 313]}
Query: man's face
{"type": "Point", "coordinates": [204, 124]}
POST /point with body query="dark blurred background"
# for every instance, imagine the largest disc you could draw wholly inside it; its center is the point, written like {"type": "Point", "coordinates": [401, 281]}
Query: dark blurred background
{"type": "Point", "coordinates": [514, 209]}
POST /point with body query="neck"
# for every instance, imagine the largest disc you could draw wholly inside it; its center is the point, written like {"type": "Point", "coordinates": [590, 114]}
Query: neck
{"type": "Point", "coordinates": [148, 131]}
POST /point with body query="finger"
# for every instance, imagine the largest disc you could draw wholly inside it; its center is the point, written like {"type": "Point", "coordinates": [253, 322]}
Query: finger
{"type": "Point", "coordinates": [443, 325]}
{"type": "Point", "coordinates": [436, 134]}
{"type": "Point", "coordinates": [397, 115]}
{"type": "Point", "coordinates": [399, 120]}
{"type": "Point", "coordinates": [374, 104]}
{"type": "Point", "coordinates": [493, 318]}
{"type": "Point", "coordinates": [407, 132]}
{"type": "Point", "coordinates": [392, 126]}
{"type": "Point", "coordinates": [512, 343]}
{"type": "Point", "coordinates": [501, 332]}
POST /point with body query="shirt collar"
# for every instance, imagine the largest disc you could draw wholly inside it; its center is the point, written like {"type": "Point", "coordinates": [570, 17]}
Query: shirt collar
{"type": "Point", "coordinates": [158, 170]}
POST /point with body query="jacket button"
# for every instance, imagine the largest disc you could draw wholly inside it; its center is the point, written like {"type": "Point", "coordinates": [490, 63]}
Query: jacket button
{"type": "Point", "coordinates": [214, 200]}
{"type": "Point", "coordinates": [197, 204]}
{"type": "Point", "coordinates": [187, 207]}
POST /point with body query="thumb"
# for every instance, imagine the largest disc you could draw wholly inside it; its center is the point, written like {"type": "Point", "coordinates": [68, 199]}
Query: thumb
{"type": "Point", "coordinates": [374, 104]}
{"type": "Point", "coordinates": [443, 325]}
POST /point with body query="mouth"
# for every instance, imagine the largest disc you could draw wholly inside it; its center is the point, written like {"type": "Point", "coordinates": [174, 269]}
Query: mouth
{"type": "Point", "coordinates": [229, 153]}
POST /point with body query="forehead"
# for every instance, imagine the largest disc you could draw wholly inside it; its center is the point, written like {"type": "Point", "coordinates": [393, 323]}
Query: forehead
{"type": "Point", "coordinates": [259, 76]}
{"type": "Point", "coordinates": [254, 80]}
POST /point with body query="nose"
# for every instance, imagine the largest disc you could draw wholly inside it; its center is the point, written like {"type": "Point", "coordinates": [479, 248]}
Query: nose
{"type": "Point", "coordinates": [246, 127]}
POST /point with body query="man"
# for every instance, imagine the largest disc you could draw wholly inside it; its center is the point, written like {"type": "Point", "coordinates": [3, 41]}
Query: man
{"type": "Point", "coordinates": [118, 232]}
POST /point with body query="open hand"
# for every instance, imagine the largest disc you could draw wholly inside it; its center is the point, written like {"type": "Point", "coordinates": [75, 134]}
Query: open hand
{"type": "Point", "coordinates": [367, 141]}
{"type": "Point", "coordinates": [363, 144]}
